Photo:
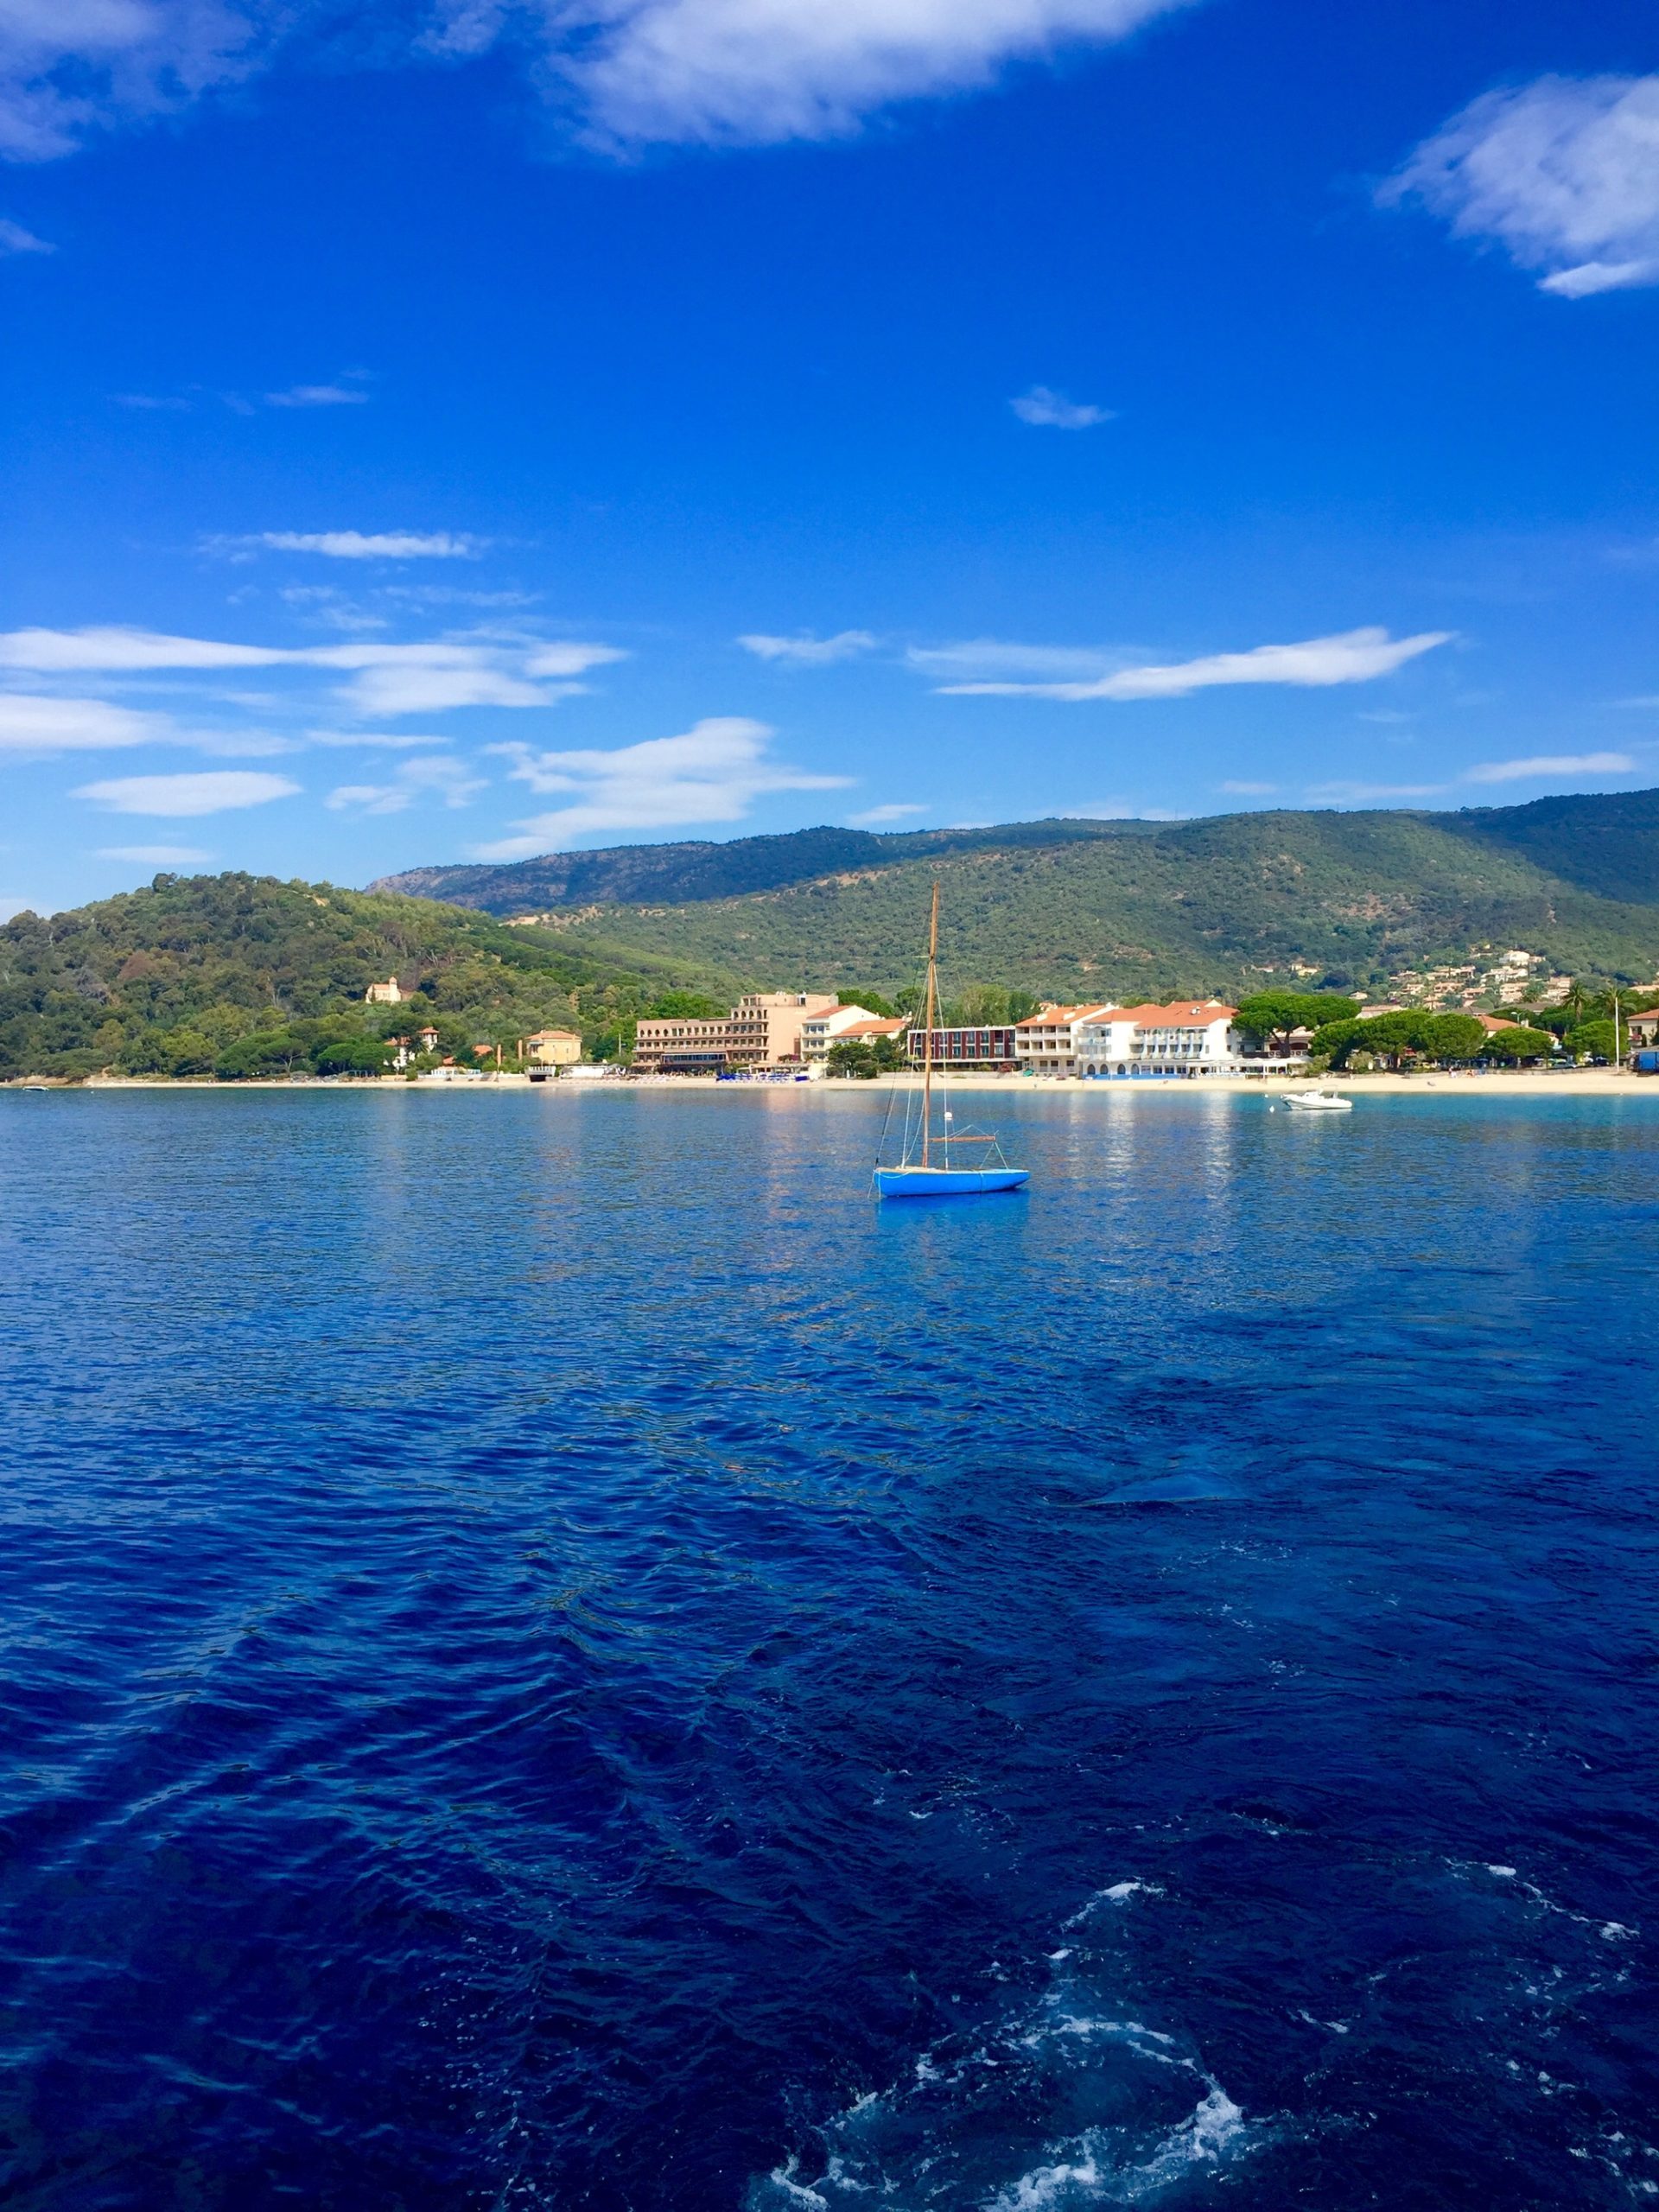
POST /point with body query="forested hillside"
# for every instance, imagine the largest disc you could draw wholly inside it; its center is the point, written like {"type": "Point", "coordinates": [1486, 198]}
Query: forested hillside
{"type": "Point", "coordinates": [632, 874]}
{"type": "Point", "coordinates": [1194, 906]}
{"type": "Point", "coordinates": [244, 974]}
{"type": "Point", "coordinates": [164, 981]}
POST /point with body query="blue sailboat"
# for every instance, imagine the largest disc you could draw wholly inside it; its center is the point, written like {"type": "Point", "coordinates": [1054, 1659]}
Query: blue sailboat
{"type": "Point", "coordinates": [926, 1168]}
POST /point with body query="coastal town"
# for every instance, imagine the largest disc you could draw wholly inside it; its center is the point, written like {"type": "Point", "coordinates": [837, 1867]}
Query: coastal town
{"type": "Point", "coordinates": [804, 1036]}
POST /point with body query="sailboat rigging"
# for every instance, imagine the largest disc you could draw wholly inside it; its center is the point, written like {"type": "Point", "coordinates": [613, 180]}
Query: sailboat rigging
{"type": "Point", "coordinates": [919, 1174]}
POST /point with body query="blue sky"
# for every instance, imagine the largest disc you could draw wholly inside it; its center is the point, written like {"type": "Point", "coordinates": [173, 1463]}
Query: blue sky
{"type": "Point", "coordinates": [475, 431]}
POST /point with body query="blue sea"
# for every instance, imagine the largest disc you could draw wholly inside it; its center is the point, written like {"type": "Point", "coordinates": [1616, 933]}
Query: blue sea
{"type": "Point", "coordinates": [559, 1655]}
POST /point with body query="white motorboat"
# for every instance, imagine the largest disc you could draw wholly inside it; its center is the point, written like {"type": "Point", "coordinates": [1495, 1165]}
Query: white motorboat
{"type": "Point", "coordinates": [1319, 1101]}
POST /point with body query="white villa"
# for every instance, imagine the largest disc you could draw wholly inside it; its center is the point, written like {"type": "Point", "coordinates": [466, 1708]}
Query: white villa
{"type": "Point", "coordinates": [1191, 1037]}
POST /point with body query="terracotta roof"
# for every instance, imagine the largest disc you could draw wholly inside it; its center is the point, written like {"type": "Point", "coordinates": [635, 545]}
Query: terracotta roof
{"type": "Point", "coordinates": [873, 1028]}
{"type": "Point", "coordinates": [1183, 1013]}
{"type": "Point", "coordinates": [1491, 1021]}
{"type": "Point", "coordinates": [1058, 1016]}
{"type": "Point", "coordinates": [546, 1036]}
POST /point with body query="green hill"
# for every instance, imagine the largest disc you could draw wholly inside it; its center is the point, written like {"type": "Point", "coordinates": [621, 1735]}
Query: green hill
{"type": "Point", "coordinates": [631, 874]}
{"type": "Point", "coordinates": [170, 979]}
{"type": "Point", "coordinates": [1074, 909]}
{"type": "Point", "coordinates": [165, 980]}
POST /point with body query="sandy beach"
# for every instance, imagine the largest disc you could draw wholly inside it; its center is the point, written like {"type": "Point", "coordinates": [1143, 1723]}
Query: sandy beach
{"type": "Point", "coordinates": [1509, 1083]}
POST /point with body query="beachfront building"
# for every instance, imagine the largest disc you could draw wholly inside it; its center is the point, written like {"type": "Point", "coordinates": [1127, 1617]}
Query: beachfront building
{"type": "Point", "coordinates": [992, 1048]}
{"type": "Point", "coordinates": [1641, 1028]}
{"type": "Point", "coordinates": [683, 1046]}
{"type": "Point", "coordinates": [1046, 1044]}
{"type": "Point", "coordinates": [820, 1031]}
{"type": "Point", "coordinates": [874, 1026]}
{"type": "Point", "coordinates": [1190, 1037]}
{"type": "Point", "coordinates": [553, 1048]}
{"type": "Point", "coordinates": [763, 1030]}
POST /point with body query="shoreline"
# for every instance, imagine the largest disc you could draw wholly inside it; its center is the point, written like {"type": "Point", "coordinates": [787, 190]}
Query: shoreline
{"type": "Point", "coordinates": [1499, 1083]}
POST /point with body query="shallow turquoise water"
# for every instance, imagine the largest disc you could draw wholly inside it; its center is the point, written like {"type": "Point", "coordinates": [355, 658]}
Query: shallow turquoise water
{"type": "Point", "coordinates": [559, 1655]}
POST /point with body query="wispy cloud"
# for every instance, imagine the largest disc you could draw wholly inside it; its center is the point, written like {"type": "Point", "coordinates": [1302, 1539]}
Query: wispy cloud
{"type": "Point", "coordinates": [806, 650]}
{"type": "Point", "coordinates": [1352, 657]}
{"type": "Point", "coordinates": [386, 681]}
{"type": "Point", "coordinates": [1237, 790]}
{"type": "Point", "coordinates": [318, 395]}
{"type": "Point", "coordinates": [445, 778]}
{"type": "Point", "coordinates": [1051, 410]}
{"type": "Point", "coordinates": [149, 401]}
{"type": "Point", "coordinates": [632, 72]}
{"type": "Point", "coordinates": [712, 773]}
{"type": "Point", "coordinates": [1551, 764]}
{"type": "Point", "coordinates": [372, 546]}
{"type": "Point", "coordinates": [38, 727]}
{"type": "Point", "coordinates": [213, 791]}
{"type": "Point", "coordinates": [155, 855]}
{"type": "Point", "coordinates": [1562, 173]}
{"type": "Point", "coordinates": [397, 741]}
{"type": "Point", "coordinates": [988, 657]}
{"type": "Point", "coordinates": [14, 238]}
{"type": "Point", "coordinates": [873, 817]}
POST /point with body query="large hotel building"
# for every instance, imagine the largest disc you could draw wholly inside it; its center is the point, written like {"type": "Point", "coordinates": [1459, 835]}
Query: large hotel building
{"type": "Point", "coordinates": [763, 1030]}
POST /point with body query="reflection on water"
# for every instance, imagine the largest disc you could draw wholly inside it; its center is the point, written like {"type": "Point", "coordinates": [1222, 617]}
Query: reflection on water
{"type": "Point", "coordinates": [560, 1654]}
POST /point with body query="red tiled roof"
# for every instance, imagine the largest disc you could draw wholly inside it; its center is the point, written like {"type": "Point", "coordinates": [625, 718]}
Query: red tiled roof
{"type": "Point", "coordinates": [1060, 1016]}
{"type": "Point", "coordinates": [1183, 1013]}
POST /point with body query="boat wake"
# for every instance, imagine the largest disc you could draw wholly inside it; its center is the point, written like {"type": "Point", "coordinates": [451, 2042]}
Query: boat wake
{"type": "Point", "coordinates": [1066, 2101]}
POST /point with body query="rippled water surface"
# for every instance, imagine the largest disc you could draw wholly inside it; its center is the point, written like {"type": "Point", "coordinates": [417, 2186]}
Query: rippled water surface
{"type": "Point", "coordinates": [557, 1655]}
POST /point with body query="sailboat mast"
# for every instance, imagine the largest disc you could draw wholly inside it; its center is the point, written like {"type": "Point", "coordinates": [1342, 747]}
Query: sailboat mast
{"type": "Point", "coordinates": [927, 1031]}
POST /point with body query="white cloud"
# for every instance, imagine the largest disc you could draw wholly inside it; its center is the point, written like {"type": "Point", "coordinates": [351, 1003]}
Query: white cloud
{"type": "Point", "coordinates": [318, 395]}
{"type": "Point", "coordinates": [37, 726]}
{"type": "Point", "coordinates": [372, 545]}
{"type": "Point", "coordinates": [67, 66]}
{"type": "Point", "coordinates": [1551, 764]}
{"type": "Point", "coordinates": [396, 680]}
{"type": "Point", "coordinates": [1353, 657]}
{"type": "Point", "coordinates": [379, 740]}
{"type": "Point", "coordinates": [1247, 791]}
{"type": "Point", "coordinates": [873, 816]}
{"type": "Point", "coordinates": [112, 649]}
{"type": "Point", "coordinates": [808, 651]}
{"type": "Point", "coordinates": [385, 680]}
{"type": "Point", "coordinates": [989, 656]}
{"type": "Point", "coordinates": [154, 856]}
{"type": "Point", "coordinates": [148, 401]}
{"type": "Point", "coordinates": [211, 791]}
{"type": "Point", "coordinates": [712, 773]}
{"type": "Point", "coordinates": [571, 659]}
{"type": "Point", "coordinates": [635, 71]}
{"type": "Point", "coordinates": [1562, 173]}
{"type": "Point", "coordinates": [447, 778]}
{"type": "Point", "coordinates": [715, 71]}
{"type": "Point", "coordinates": [1052, 410]}
{"type": "Point", "coordinates": [14, 238]}
{"type": "Point", "coordinates": [1000, 657]}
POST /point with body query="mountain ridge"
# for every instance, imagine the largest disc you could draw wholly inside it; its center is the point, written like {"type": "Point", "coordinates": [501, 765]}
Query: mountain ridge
{"type": "Point", "coordinates": [1076, 908]}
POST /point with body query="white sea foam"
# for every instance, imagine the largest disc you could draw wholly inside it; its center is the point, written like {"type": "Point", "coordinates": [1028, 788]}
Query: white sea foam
{"type": "Point", "coordinates": [1086, 2168]}
{"type": "Point", "coordinates": [784, 2177]}
{"type": "Point", "coordinates": [1119, 1893]}
{"type": "Point", "coordinates": [960, 2127]}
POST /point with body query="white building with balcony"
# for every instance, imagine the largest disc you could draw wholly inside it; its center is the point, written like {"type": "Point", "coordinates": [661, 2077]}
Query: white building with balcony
{"type": "Point", "coordinates": [820, 1031]}
{"type": "Point", "coordinates": [1190, 1037]}
{"type": "Point", "coordinates": [1046, 1044]}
